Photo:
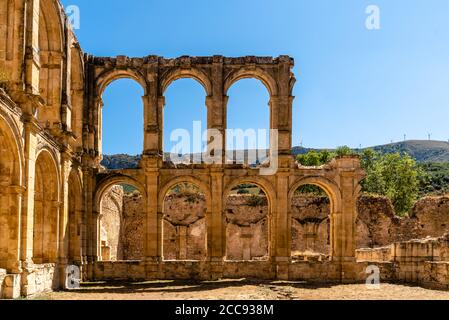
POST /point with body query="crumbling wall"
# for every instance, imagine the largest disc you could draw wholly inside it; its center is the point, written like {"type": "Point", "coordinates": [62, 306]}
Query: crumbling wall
{"type": "Point", "coordinates": [310, 225]}
{"type": "Point", "coordinates": [111, 221]}
{"type": "Point", "coordinates": [246, 227]}
{"type": "Point", "coordinates": [184, 227]}
{"type": "Point", "coordinates": [432, 215]}
{"type": "Point", "coordinates": [132, 232]}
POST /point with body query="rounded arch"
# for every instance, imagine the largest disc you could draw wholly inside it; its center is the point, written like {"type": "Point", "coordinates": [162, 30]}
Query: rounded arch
{"type": "Point", "coordinates": [75, 218]}
{"type": "Point", "coordinates": [268, 81]}
{"type": "Point", "coordinates": [48, 158]}
{"type": "Point", "coordinates": [262, 183]}
{"type": "Point", "coordinates": [53, 25]}
{"type": "Point", "coordinates": [52, 53]}
{"type": "Point", "coordinates": [259, 239]}
{"type": "Point", "coordinates": [330, 187]}
{"type": "Point", "coordinates": [108, 182]}
{"type": "Point", "coordinates": [109, 76]}
{"type": "Point", "coordinates": [12, 141]}
{"type": "Point", "coordinates": [46, 208]}
{"type": "Point", "coordinates": [191, 73]}
{"type": "Point", "coordinates": [184, 179]}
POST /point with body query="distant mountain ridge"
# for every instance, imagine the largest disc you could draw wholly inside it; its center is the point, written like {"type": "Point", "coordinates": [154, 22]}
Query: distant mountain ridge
{"type": "Point", "coordinates": [420, 150]}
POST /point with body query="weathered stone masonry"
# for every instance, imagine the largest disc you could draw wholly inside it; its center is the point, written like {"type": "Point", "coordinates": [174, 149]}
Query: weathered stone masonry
{"type": "Point", "coordinates": [51, 181]}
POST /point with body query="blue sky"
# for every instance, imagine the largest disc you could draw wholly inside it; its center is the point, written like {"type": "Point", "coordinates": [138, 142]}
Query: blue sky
{"type": "Point", "coordinates": [355, 86]}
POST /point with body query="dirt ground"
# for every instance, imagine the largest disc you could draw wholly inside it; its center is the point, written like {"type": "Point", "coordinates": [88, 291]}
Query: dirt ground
{"type": "Point", "coordinates": [241, 290]}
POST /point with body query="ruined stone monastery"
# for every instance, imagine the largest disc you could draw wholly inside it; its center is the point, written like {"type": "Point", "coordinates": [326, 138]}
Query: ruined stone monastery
{"type": "Point", "coordinates": [52, 183]}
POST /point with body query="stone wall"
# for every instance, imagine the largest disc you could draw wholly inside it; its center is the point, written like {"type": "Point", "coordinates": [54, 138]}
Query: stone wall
{"type": "Point", "coordinates": [247, 225]}
{"type": "Point", "coordinates": [432, 216]}
{"type": "Point", "coordinates": [111, 224]}
{"type": "Point", "coordinates": [184, 227]}
{"type": "Point", "coordinates": [246, 228]}
{"type": "Point", "coordinates": [424, 262]}
{"type": "Point", "coordinates": [39, 278]}
{"type": "Point", "coordinates": [132, 231]}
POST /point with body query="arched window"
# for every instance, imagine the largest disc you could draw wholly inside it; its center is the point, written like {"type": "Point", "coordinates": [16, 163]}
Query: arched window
{"type": "Point", "coordinates": [248, 122]}
{"type": "Point", "coordinates": [122, 119]}
{"type": "Point", "coordinates": [185, 121]}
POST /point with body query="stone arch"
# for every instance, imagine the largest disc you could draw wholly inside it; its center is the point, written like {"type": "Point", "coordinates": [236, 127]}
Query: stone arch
{"type": "Point", "coordinates": [191, 73]}
{"type": "Point", "coordinates": [184, 179]}
{"type": "Point", "coordinates": [102, 82]}
{"type": "Point", "coordinates": [46, 209]}
{"type": "Point", "coordinates": [11, 140]}
{"type": "Point", "coordinates": [263, 183]}
{"type": "Point", "coordinates": [10, 192]}
{"type": "Point", "coordinates": [112, 180]}
{"type": "Point", "coordinates": [76, 223]}
{"type": "Point", "coordinates": [257, 73]}
{"type": "Point", "coordinates": [270, 193]}
{"type": "Point", "coordinates": [103, 187]}
{"type": "Point", "coordinates": [330, 187]}
{"type": "Point", "coordinates": [184, 233]}
{"type": "Point", "coordinates": [51, 56]}
{"type": "Point", "coordinates": [333, 192]}
{"type": "Point", "coordinates": [109, 76]}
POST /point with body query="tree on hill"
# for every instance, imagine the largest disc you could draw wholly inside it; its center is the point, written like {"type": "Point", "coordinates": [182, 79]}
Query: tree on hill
{"type": "Point", "coordinates": [396, 175]}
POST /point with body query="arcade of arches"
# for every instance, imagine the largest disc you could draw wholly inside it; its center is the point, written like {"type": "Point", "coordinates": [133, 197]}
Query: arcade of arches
{"type": "Point", "coordinates": [60, 207]}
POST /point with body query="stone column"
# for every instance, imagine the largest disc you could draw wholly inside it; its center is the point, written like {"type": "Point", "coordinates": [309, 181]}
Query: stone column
{"type": "Point", "coordinates": [160, 124]}
{"type": "Point", "coordinates": [153, 222]}
{"type": "Point", "coordinates": [281, 233]}
{"type": "Point", "coordinates": [90, 217]}
{"type": "Point", "coordinates": [216, 110]}
{"type": "Point", "coordinates": [32, 61]}
{"type": "Point", "coordinates": [27, 220]}
{"type": "Point", "coordinates": [98, 125]}
{"type": "Point", "coordinates": [153, 108]}
{"type": "Point", "coordinates": [345, 221]}
{"type": "Point", "coordinates": [63, 234]}
{"type": "Point", "coordinates": [13, 207]}
{"type": "Point", "coordinates": [216, 243]}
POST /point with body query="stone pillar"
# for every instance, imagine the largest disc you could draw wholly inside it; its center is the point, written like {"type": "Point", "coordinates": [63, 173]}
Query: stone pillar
{"type": "Point", "coordinates": [12, 202]}
{"type": "Point", "coordinates": [27, 221]}
{"type": "Point", "coordinates": [153, 108]}
{"type": "Point", "coordinates": [32, 60]}
{"type": "Point", "coordinates": [345, 220]}
{"type": "Point", "coordinates": [63, 234]}
{"type": "Point", "coordinates": [281, 233]}
{"type": "Point", "coordinates": [98, 125]}
{"type": "Point", "coordinates": [216, 233]}
{"type": "Point", "coordinates": [153, 222]}
{"type": "Point", "coordinates": [160, 124]}
{"type": "Point", "coordinates": [216, 110]}
{"type": "Point", "coordinates": [90, 217]}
